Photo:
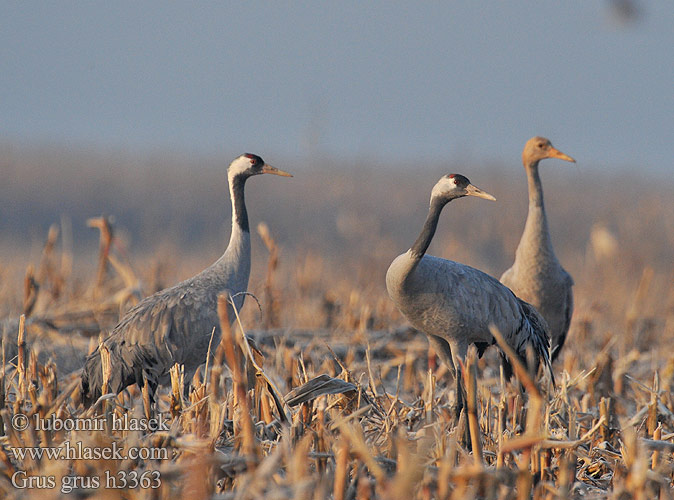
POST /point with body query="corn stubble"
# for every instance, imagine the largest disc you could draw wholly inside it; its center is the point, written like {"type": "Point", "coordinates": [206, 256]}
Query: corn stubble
{"type": "Point", "coordinates": [353, 407]}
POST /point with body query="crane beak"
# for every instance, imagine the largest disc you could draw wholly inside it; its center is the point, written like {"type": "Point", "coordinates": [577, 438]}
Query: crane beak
{"type": "Point", "coordinates": [475, 191]}
{"type": "Point", "coordinates": [268, 169]}
{"type": "Point", "coordinates": [556, 153]}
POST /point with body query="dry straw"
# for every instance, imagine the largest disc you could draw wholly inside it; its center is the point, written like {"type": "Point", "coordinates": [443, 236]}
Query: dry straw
{"type": "Point", "coordinates": [367, 412]}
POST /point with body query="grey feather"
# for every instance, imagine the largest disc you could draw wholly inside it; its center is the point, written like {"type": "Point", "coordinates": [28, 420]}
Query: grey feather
{"type": "Point", "coordinates": [455, 304]}
{"type": "Point", "coordinates": [536, 275]}
{"type": "Point", "coordinates": [175, 325]}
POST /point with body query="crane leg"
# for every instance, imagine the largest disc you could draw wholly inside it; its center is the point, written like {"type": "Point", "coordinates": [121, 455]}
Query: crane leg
{"type": "Point", "coordinates": [444, 351]}
{"type": "Point", "coordinates": [460, 392]}
{"type": "Point", "coordinates": [461, 399]}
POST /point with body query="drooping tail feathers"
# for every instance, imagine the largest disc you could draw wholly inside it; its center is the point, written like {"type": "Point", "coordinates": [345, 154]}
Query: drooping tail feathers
{"type": "Point", "coordinates": [129, 366]}
{"type": "Point", "coordinates": [533, 331]}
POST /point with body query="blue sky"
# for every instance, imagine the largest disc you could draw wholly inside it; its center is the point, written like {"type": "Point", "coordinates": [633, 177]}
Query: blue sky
{"type": "Point", "coordinates": [385, 80]}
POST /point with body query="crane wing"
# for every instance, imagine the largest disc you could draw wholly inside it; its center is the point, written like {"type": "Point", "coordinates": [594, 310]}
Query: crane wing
{"type": "Point", "coordinates": [458, 303]}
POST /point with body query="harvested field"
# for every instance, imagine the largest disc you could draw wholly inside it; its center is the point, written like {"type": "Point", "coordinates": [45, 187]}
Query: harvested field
{"type": "Point", "coordinates": [321, 389]}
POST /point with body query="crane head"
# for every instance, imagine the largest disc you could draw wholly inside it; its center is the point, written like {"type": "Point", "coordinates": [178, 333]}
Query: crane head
{"type": "Point", "coordinates": [454, 186]}
{"type": "Point", "coordinates": [249, 164]}
{"type": "Point", "coordinates": [540, 148]}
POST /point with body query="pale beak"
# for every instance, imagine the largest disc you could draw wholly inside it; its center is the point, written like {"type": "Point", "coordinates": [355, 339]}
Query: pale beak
{"type": "Point", "coordinates": [475, 191]}
{"type": "Point", "coordinates": [268, 169]}
{"type": "Point", "coordinates": [556, 153]}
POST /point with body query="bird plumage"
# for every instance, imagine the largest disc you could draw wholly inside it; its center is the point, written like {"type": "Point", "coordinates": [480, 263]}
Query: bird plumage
{"type": "Point", "coordinates": [457, 302]}
{"type": "Point", "coordinates": [454, 304]}
{"type": "Point", "coordinates": [536, 275]}
{"type": "Point", "coordinates": [175, 325]}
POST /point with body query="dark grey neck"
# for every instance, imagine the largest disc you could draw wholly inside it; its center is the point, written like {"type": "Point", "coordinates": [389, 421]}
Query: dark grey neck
{"type": "Point", "coordinates": [428, 231]}
{"type": "Point", "coordinates": [239, 202]}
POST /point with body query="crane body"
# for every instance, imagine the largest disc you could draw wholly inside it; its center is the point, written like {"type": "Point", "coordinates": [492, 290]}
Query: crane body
{"type": "Point", "coordinates": [177, 324]}
{"type": "Point", "coordinates": [536, 275]}
{"type": "Point", "coordinates": [455, 304]}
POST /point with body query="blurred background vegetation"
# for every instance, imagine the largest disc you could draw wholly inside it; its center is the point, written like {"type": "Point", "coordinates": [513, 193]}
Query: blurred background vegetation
{"type": "Point", "coordinates": [338, 225]}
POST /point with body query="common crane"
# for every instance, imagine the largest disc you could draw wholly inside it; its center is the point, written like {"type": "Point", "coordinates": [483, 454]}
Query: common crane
{"type": "Point", "coordinates": [175, 325]}
{"type": "Point", "coordinates": [455, 304]}
{"type": "Point", "coordinates": [536, 275]}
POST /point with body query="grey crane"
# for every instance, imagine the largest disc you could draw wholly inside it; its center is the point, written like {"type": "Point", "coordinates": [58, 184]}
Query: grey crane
{"type": "Point", "coordinates": [536, 275]}
{"type": "Point", "coordinates": [175, 325]}
{"type": "Point", "coordinates": [455, 304]}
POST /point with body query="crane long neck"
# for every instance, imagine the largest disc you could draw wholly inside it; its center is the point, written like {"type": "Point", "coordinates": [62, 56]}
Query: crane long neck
{"type": "Point", "coordinates": [536, 232]}
{"type": "Point", "coordinates": [428, 231]}
{"type": "Point", "coordinates": [231, 271]}
{"type": "Point", "coordinates": [238, 249]}
{"type": "Point", "coordinates": [239, 212]}
{"type": "Point", "coordinates": [535, 186]}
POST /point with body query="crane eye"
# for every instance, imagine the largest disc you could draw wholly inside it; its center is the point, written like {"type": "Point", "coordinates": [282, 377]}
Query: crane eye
{"type": "Point", "coordinates": [540, 145]}
{"type": "Point", "coordinates": [253, 158]}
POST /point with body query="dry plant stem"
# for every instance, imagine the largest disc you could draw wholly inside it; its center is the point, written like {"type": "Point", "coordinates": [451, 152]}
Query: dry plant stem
{"type": "Point", "coordinates": [633, 312]}
{"type": "Point", "coordinates": [105, 366]}
{"type": "Point", "coordinates": [30, 291]}
{"type": "Point", "coordinates": [177, 383]}
{"type": "Point", "coordinates": [373, 387]}
{"type": "Point", "coordinates": [74, 384]}
{"type": "Point", "coordinates": [258, 369]}
{"type": "Point", "coordinates": [46, 268]}
{"type": "Point", "coordinates": [248, 444]}
{"type": "Point", "coordinates": [652, 421]}
{"type": "Point", "coordinates": [271, 317]}
{"type": "Point", "coordinates": [124, 270]}
{"type": "Point", "coordinates": [657, 435]}
{"type": "Point", "coordinates": [501, 422]}
{"type": "Point", "coordinates": [105, 242]}
{"type": "Point", "coordinates": [147, 402]}
{"type": "Point", "coordinates": [21, 361]}
{"type": "Point", "coordinates": [429, 392]}
{"type": "Point", "coordinates": [524, 481]}
{"type": "Point", "coordinates": [535, 412]}
{"type": "Point", "coordinates": [32, 371]}
{"type": "Point", "coordinates": [534, 431]}
{"type": "Point", "coordinates": [341, 469]}
{"type": "Point", "coordinates": [359, 448]}
{"type": "Point", "coordinates": [352, 416]}
{"type": "Point", "coordinates": [345, 370]}
{"type": "Point", "coordinates": [524, 442]}
{"type": "Point", "coordinates": [107, 372]}
{"type": "Point", "coordinates": [605, 412]}
{"type": "Point", "coordinates": [652, 444]}
{"type": "Point", "coordinates": [208, 357]}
